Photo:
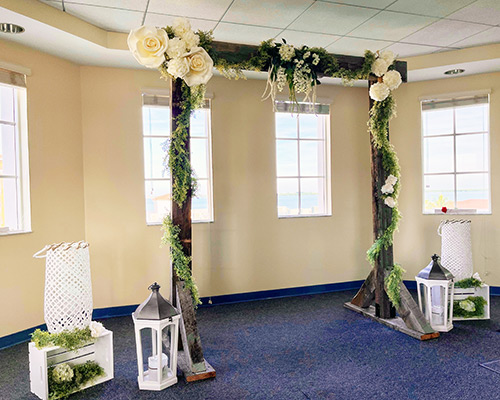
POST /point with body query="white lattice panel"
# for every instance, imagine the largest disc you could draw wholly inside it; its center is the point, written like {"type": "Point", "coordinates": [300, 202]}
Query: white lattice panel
{"type": "Point", "coordinates": [456, 247]}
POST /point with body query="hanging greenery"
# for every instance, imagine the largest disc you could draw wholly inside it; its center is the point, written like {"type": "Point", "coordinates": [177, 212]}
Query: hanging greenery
{"type": "Point", "coordinates": [180, 261]}
{"type": "Point", "coordinates": [64, 380]}
{"type": "Point", "coordinates": [393, 284]}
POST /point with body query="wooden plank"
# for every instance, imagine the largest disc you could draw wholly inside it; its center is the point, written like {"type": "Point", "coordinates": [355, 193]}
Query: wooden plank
{"type": "Point", "coordinates": [191, 376]}
{"type": "Point", "coordinates": [394, 323]}
{"type": "Point", "coordinates": [236, 53]}
{"type": "Point", "coordinates": [366, 294]}
{"type": "Point", "coordinates": [409, 311]}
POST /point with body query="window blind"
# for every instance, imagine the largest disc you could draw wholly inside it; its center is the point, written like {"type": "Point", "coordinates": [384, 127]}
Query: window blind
{"type": "Point", "coordinates": [164, 101]}
{"type": "Point", "coordinates": [12, 78]}
{"type": "Point", "coordinates": [458, 102]}
{"type": "Point", "coordinates": [303, 108]}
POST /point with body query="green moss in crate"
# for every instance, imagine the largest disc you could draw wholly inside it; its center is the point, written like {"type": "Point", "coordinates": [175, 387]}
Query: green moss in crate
{"type": "Point", "coordinates": [82, 374]}
{"type": "Point", "coordinates": [468, 283]}
{"type": "Point", "coordinates": [478, 302]}
{"type": "Point", "coordinates": [68, 339]}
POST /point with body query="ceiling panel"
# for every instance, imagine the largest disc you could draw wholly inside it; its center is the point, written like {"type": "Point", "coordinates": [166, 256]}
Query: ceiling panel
{"type": "Point", "coordinates": [388, 25]}
{"type": "Point", "coordinates": [380, 4]}
{"type": "Point", "coordinates": [246, 34]}
{"type": "Point", "coordinates": [309, 39]}
{"type": "Point", "coordinates": [110, 19]}
{"type": "Point", "coordinates": [214, 9]}
{"type": "Point", "coordinates": [488, 36]}
{"type": "Point", "coordinates": [482, 11]}
{"type": "Point", "coordinates": [356, 47]}
{"type": "Point", "coordinates": [332, 18]}
{"type": "Point", "coordinates": [408, 50]}
{"type": "Point", "coordinates": [435, 8]}
{"type": "Point", "coordinates": [163, 20]}
{"type": "Point", "coordinates": [137, 5]}
{"type": "Point", "coordinates": [444, 33]}
{"type": "Point", "coordinates": [272, 13]}
{"type": "Point", "coordinates": [54, 3]}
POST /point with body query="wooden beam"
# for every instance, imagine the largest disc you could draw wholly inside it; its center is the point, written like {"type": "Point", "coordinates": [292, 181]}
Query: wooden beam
{"type": "Point", "coordinates": [236, 53]}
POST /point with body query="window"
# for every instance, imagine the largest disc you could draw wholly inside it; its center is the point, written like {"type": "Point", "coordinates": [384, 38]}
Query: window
{"type": "Point", "coordinates": [302, 160]}
{"type": "Point", "coordinates": [156, 130]}
{"type": "Point", "coordinates": [456, 152]}
{"type": "Point", "coordinates": [14, 172]}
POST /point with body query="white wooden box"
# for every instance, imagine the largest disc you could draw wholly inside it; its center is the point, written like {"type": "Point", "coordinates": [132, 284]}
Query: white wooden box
{"type": "Point", "coordinates": [101, 351]}
{"type": "Point", "coordinates": [483, 291]}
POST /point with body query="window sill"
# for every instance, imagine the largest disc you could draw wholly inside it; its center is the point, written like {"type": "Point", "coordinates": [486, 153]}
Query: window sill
{"type": "Point", "coordinates": [304, 216]}
{"type": "Point", "coordinates": [192, 222]}
{"type": "Point", "coordinates": [458, 212]}
{"type": "Point", "coordinates": [9, 233]}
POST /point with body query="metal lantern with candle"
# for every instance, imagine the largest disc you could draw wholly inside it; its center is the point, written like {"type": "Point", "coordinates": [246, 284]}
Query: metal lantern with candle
{"type": "Point", "coordinates": [435, 286]}
{"type": "Point", "coordinates": [162, 319]}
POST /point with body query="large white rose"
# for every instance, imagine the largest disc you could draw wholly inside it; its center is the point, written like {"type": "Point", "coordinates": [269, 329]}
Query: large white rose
{"type": "Point", "coordinates": [178, 67]}
{"type": "Point", "coordinates": [391, 180]}
{"type": "Point", "coordinates": [379, 66]}
{"type": "Point", "coordinates": [390, 202]}
{"type": "Point", "coordinates": [176, 48]}
{"type": "Point", "coordinates": [96, 329]}
{"type": "Point", "coordinates": [387, 188]}
{"type": "Point", "coordinates": [200, 67]}
{"type": "Point", "coordinates": [388, 56]}
{"type": "Point", "coordinates": [181, 26]}
{"type": "Point", "coordinates": [392, 79]}
{"type": "Point", "coordinates": [379, 91]}
{"type": "Point", "coordinates": [148, 45]}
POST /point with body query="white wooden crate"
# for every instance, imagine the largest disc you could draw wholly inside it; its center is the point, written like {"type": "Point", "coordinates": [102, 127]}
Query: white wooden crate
{"type": "Point", "coordinates": [483, 291]}
{"type": "Point", "coordinates": [101, 351]}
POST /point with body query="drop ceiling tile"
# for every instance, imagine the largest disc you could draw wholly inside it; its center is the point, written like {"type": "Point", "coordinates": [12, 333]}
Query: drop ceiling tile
{"type": "Point", "coordinates": [213, 9]}
{"type": "Point", "coordinates": [356, 47]}
{"type": "Point", "coordinates": [306, 38]}
{"type": "Point", "coordinates": [137, 5]}
{"type": "Point", "coordinates": [380, 4]}
{"type": "Point", "coordinates": [166, 20]}
{"type": "Point", "coordinates": [408, 50]}
{"type": "Point", "coordinates": [388, 25]}
{"type": "Point", "coordinates": [245, 34]}
{"type": "Point", "coordinates": [434, 8]}
{"type": "Point", "coordinates": [336, 19]}
{"type": "Point", "coordinates": [54, 3]}
{"type": "Point", "coordinates": [482, 11]}
{"type": "Point", "coordinates": [444, 33]}
{"type": "Point", "coordinates": [488, 36]}
{"type": "Point", "coordinates": [272, 13]}
{"type": "Point", "coordinates": [110, 19]}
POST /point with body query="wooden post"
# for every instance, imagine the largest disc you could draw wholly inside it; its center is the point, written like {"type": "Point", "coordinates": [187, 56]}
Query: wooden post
{"type": "Point", "coordinates": [194, 362]}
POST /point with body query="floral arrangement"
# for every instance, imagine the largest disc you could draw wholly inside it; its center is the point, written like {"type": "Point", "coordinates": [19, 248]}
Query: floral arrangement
{"type": "Point", "coordinates": [472, 306]}
{"type": "Point", "coordinates": [388, 80]}
{"type": "Point", "coordinates": [70, 340]}
{"type": "Point", "coordinates": [64, 380]}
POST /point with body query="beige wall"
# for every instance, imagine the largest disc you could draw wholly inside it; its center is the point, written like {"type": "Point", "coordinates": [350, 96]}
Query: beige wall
{"type": "Point", "coordinates": [417, 239]}
{"type": "Point", "coordinates": [56, 177]}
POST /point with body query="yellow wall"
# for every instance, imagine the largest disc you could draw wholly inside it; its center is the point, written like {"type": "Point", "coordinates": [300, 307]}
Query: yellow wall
{"type": "Point", "coordinates": [56, 177]}
{"type": "Point", "coordinates": [417, 239]}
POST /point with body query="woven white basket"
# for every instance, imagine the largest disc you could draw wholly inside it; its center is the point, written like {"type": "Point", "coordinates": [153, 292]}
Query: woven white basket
{"type": "Point", "coordinates": [456, 247]}
{"type": "Point", "coordinates": [68, 288]}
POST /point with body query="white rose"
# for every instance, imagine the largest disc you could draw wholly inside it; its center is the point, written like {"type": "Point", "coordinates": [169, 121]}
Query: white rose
{"type": "Point", "coordinates": [379, 91]}
{"type": "Point", "coordinates": [379, 66]}
{"type": "Point", "coordinates": [192, 39]}
{"type": "Point", "coordinates": [388, 56]}
{"type": "Point", "coordinates": [392, 79]}
{"type": "Point", "coordinates": [148, 45]}
{"type": "Point", "coordinates": [96, 329]}
{"type": "Point", "coordinates": [181, 26]}
{"type": "Point", "coordinates": [476, 276]}
{"type": "Point", "coordinates": [390, 202]}
{"type": "Point", "coordinates": [391, 180]}
{"type": "Point", "coordinates": [200, 67]}
{"type": "Point", "coordinates": [178, 67]}
{"type": "Point", "coordinates": [387, 188]}
{"type": "Point", "coordinates": [176, 48]}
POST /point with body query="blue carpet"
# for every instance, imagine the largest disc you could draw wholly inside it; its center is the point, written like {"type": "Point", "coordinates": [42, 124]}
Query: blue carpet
{"type": "Point", "coordinates": [307, 347]}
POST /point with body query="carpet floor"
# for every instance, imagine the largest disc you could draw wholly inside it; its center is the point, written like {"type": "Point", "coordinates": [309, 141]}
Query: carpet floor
{"type": "Point", "coordinates": [307, 347]}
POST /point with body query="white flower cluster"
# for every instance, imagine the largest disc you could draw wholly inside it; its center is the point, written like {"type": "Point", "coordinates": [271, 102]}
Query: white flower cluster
{"type": "Point", "coordinates": [287, 52]}
{"type": "Point", "coordinates": [388, 188]}
{"type": "Point", "coordinates": [467, 305]}
{"type": "Point", "coordinates": [280, 79]}
{"type": "Point", "coordinates": [96, 329]}
{"type": "Point", "coordinates": [186, 60]}
{"type": "Point", "coordinates": [390, 80]}
{"type": "Point", "coordinates": [62, 373]}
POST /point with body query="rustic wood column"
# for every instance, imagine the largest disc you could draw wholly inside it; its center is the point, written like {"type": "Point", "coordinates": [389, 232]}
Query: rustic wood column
{"type": "Point", "coordinates": [181, 217]}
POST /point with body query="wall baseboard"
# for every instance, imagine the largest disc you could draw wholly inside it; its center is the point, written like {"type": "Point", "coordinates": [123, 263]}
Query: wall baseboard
{"type": "Point", "coordinates": [211, 301]}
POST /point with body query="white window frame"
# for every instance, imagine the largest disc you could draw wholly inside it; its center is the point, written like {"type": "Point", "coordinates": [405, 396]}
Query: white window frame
{"type": "Point", "coordinates": [327, 165]}
{"type": "Point", "coordinates": [454, 135]}
{"type": "Point", "coordinates": [209, 179]}
{"type": "Point", "coordinates": [22, 162]}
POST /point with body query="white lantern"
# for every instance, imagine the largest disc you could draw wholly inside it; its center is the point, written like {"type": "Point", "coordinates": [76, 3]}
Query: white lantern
{"type": "Point", "coordinates": [435, 286]}
{"type": "Point", "coordinates": [162, 319]}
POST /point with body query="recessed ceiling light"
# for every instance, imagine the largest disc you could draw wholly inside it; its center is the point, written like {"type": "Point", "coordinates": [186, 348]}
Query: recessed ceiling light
{"type": "Point", "coordinates": [10, 28]}
{"type": "Point", "coordinates": [455, 71]}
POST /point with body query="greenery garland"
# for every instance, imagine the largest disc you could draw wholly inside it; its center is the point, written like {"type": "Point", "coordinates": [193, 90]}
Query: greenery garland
{"type": "Point", "coordinates": [70, 340]}
{"type": "Point", "coordinates": [81, 375]}
{"type": "Point", "coordinates": [477, 303]}
{"type": "Point", "coordinates": [393, 284]}
{"type": "Point", "coordinates": [468, 283]}
{"type": "Point", "coordinates": [180, 261]}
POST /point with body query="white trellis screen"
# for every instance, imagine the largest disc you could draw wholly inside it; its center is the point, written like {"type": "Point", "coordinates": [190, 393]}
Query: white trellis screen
{"type": "Point", "coordinates": [456, 247]}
